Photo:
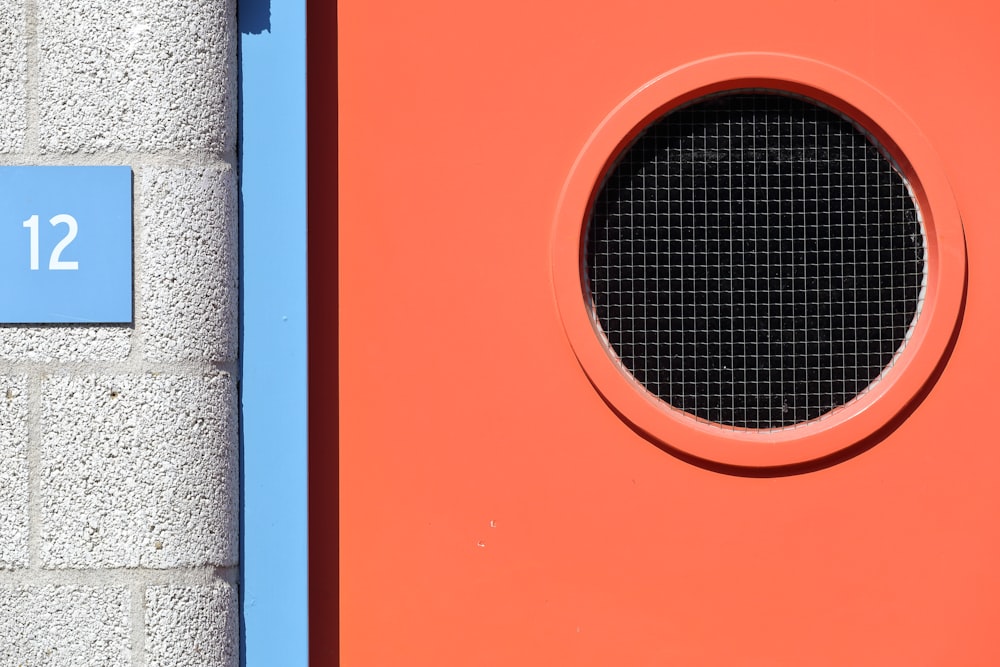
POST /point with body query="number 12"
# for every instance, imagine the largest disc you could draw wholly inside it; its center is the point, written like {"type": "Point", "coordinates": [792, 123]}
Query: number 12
{"type": "Point", "coordinates": [55, 264]}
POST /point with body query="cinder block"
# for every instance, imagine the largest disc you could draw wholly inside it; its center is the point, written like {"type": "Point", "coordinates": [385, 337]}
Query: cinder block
{"type": "Point", "coordinates": [13, 73]}
{"type": "Point", "coordinates": [139, 471]}
{"type": "Point", "coordinates": [188, 292]}
{"type": "Point", "coordinates": [60, 343]}
{"type": "Point", "coordinates": [65, 626]}
{"type": "Point", "coordinates": [139, 75]}
{"type": "Point", "coordinates": [13, 473]}
{"type": "Point", "coordinates": [196, 626]}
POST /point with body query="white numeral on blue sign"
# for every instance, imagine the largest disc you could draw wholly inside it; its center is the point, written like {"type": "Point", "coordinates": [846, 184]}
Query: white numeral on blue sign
{"type": "Point", "coordinates": [55, 263]}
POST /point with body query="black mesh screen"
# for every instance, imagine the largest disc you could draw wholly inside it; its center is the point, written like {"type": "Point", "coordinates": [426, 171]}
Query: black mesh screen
{"type": "Point", "coordinates": [755, 260]}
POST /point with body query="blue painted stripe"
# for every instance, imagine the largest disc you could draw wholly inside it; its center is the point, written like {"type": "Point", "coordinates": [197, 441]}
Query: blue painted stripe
{"type": "Point", "coordinates": [274, 345]}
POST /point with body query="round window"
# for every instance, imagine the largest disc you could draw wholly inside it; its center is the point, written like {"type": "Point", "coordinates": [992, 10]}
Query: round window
{"type": "Point", "coordinates": [758, 261]}
{"type": "Point", "coordinates": [755, 259]}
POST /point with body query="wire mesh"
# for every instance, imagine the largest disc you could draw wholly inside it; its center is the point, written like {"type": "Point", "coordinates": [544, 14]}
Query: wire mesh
{"type": "Point", "coordinates": [755, 260]}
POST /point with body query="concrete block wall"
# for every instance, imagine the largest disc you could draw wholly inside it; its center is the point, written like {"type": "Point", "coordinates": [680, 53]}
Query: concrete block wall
{"type": "Point", "coordinates": [119, 486]}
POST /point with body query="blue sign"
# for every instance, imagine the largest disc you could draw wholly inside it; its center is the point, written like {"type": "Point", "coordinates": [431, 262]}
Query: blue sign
{"type": "Point", "coordinates": [65, 244]}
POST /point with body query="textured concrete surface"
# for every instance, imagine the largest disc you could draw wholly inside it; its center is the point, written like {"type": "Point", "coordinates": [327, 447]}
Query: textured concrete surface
{"type": "Point", "coordinates": [62, 343]}
{"type": "Point", "coordinates": [139, 471]}
{"type": "Point", "coordinates": [140, 75]}
{"type": "Point", "coordinates": [13, 473]}
{"type": "Point", "coordinates": [192, 625]}
{"type": "Point", "coordinates": [65, 626]}
{"type": "Point", "coordinates": [188, 293]}
{"type": "Point", "coordinates": [13, 74]}
{"type": "Point", "coordinates": [120, 486]}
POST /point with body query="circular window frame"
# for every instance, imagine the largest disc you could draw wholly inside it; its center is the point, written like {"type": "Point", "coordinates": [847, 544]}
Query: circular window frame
{"type": "Point", "coordinates": [842, 427]}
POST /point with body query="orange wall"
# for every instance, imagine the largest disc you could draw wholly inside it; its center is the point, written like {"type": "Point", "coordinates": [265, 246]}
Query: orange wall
{"type": "Point", "coordinates": [494, 510]}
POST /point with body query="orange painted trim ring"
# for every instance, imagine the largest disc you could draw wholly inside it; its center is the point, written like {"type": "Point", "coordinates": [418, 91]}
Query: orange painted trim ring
{"type": "Point", "coordinates": [843, 427]}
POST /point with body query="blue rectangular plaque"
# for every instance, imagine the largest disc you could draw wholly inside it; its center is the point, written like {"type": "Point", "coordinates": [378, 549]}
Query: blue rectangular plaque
{"type": "Point", "coordinates": [65, 244]}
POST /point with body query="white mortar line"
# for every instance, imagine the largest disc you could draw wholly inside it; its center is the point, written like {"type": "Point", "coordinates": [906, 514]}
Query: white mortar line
{"type": "Point", "coordinates": [137, 348]}
{"type": "Point", "coordinates": [168, 159]}
{"type": "Point", "coordinates": [34, 390]}
{"type": "Point", "coordinates": [120, 577]}
{"type": "Point", "coordinates": [137, 618]}
{"type": "Point", "coordinates": [126, 366]}
{"type": "Point", "coordinates": [31, 85]}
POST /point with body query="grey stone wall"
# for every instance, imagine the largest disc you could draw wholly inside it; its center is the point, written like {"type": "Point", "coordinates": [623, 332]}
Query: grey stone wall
{"type": "Point", "coordinates": [119, 482]}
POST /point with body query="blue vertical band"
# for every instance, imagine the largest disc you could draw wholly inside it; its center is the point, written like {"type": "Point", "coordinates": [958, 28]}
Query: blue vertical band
{"type": "Point", "coordinates": [274, 421]}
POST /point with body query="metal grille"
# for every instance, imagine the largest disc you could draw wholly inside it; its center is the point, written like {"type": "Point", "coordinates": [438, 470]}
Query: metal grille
{"type": "Point", "coordinates": [754, 259]}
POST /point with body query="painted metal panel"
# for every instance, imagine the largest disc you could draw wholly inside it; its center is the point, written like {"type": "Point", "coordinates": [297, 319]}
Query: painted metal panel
{"type": "Point", "coordinates": [274, 539]}
{"type": "Point", "coordinates": [494, 509]}
{"type": "Point", "coordinates": [66, 244]}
